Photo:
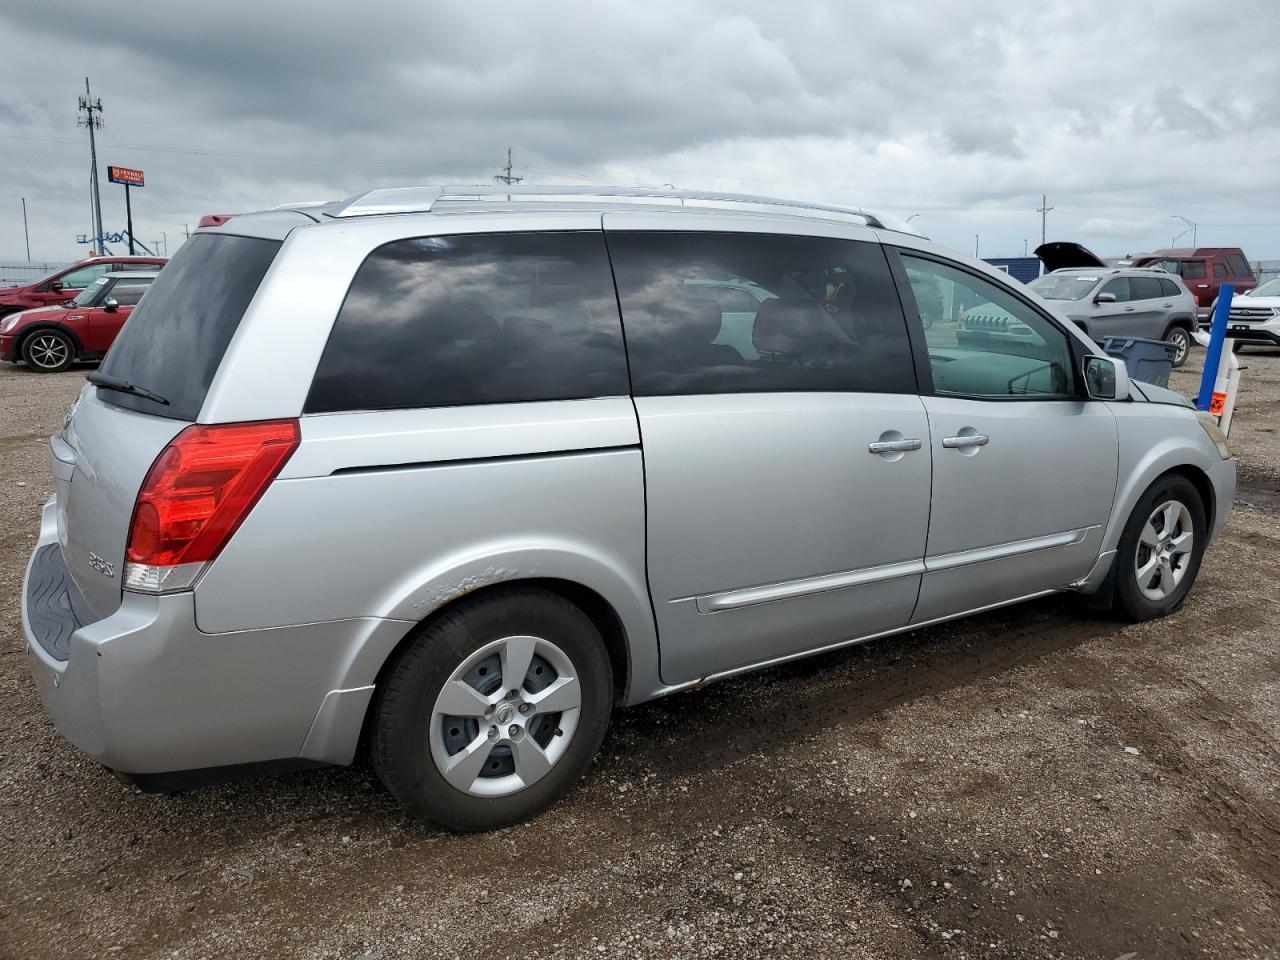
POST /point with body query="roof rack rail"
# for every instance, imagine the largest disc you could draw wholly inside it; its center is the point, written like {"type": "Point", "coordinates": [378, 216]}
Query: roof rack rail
{"type": "Point", "coordinates": [424, 199]}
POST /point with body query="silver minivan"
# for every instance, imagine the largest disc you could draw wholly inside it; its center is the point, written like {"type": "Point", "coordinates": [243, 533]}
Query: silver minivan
{"type": "Point", "coordinates": [454, 473]}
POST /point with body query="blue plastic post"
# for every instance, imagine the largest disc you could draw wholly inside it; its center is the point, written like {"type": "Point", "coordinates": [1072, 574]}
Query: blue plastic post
{"type": "Point", "coordinates": [1213, 353]}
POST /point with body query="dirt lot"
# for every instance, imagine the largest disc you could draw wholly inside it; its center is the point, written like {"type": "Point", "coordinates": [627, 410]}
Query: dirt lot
{"type": "Point", "coordinates": [965, 791]}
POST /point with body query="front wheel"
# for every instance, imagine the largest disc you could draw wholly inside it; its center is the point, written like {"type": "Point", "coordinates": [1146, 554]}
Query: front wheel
{"type": "Point", "coordinates": [48, 351]}
{"type": "Point", "coordinates": [494, 711]}
{"type": "Point", "coordinates": [1181, 340]}
{"type": "Point", "coordinates": [1160, 549]}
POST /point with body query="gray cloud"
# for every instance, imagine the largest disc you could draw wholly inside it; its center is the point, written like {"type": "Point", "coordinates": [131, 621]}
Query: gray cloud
{"type": "Point", "coordinates": [965, 113]}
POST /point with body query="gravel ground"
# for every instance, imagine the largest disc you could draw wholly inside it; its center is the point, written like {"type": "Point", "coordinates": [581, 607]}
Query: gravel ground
{"type": "Point", "coordinates": [1037, 782]}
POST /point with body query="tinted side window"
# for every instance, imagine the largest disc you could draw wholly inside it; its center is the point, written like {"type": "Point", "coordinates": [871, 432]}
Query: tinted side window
{"type": "Point", "coordinates": [999, 347]}
{"type": "Point", "coordinates": [1239, 266]}
{"type": "Point", "coordinates": [1191, 269]}
{"type": "Point", "coordinates": [1144, 288]}
{"type": "Point", "coordinates": [482, 318]}
{"type": "Point", "coordinates": [1168, 288]}
{"type": "Point", "coordinates": [829, 318]}
{"type": "Point", "coordinates": [1119, 287]}
{"type": "Point", "coordinates": [1219, 270]}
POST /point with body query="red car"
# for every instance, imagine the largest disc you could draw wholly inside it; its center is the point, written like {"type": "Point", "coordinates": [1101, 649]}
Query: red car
{"type": "Point", "coordinates": [1204, 270]}
{"type": "Point", "coordinates": [50, 339]}
{"type": "Point", "coordinates": [66, 283]}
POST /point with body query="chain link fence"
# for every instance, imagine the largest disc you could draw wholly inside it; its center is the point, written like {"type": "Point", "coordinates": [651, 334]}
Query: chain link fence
{"type": "Point", "coordinates": [20, 272]}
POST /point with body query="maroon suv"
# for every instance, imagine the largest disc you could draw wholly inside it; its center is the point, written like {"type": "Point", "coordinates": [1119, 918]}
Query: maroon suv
{"type": "Point", "coordinates": [1204, 270]}
{"type": "Point", "coordinates": [69, 281]}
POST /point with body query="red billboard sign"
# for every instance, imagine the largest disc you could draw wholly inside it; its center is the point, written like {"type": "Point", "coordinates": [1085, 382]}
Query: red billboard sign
{"type": "Point", "coordinates": [125, 175]}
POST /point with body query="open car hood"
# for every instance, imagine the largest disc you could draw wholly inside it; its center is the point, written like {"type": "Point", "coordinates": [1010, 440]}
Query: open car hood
{"type": "Point", "coordinates": [1063, 255]}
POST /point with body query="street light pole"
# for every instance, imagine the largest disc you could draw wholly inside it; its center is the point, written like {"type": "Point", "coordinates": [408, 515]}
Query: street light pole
{"type": "Point", "coordinates": [1190, 224]}
{"type": "Point", "coordinates": [26, 235]}
{"type": "Point", "coordinates": [975, 244]}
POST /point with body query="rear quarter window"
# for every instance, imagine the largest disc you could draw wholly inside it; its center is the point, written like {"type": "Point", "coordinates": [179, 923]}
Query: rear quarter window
{"type": "Point", "coordinates": [175, 338]}
{"type": "Point", "coordinates": [475, 319]}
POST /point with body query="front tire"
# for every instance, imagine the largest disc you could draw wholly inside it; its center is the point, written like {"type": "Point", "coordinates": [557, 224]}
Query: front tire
{"type": "Point", "coordinates": [48, 351]}
{"type": "Point", "coordinates": [1181, 340]}
{"type": "Point", "coordinates": [1160, 549]}
{"type": "Point", "coordinates": [494, 711]}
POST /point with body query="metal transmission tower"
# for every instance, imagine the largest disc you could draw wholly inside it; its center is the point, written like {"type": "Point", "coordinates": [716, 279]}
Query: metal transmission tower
{"type": "Point", "coordinates": [506, 177]}
{"type": "Point", "coordinates": [1043, 210]}
{"type": "Point", "coordinates": [91, 117]}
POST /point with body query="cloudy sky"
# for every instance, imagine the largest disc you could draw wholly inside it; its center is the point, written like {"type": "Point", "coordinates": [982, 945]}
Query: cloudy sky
{"type": "Point", "coordinates": [1125, 114]}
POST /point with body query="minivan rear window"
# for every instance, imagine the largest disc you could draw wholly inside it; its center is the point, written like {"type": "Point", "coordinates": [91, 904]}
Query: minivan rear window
{"type": "Point", "coordinates": [174, 340]}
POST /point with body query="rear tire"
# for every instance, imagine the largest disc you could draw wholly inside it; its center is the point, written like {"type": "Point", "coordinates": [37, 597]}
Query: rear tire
{"type": "Point", "coordinates": [48, 351]}
{"type": "Point", "coordinates": [1181, 339]}
{"type": "Point", "coordinates": [1160, 549]}
{"type": "Point", "coordinates": [467, 726]}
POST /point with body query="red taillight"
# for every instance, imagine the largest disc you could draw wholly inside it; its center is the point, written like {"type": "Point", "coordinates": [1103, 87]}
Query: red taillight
{"type": "Point", "coordinates": [201, 488]}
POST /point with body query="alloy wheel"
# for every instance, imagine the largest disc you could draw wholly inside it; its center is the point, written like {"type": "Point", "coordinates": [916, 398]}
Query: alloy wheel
{"type": "Point", "coordinates": [1164, 550]}
{"type": "Point", "coordinates": [48, 352]}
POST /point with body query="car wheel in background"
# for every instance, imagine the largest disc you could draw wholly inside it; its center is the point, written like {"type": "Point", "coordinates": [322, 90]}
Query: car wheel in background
{"type": "Point", "coordinates": [1160, 549]}
{"type": "Point", "coordinates": [494, 710]}
{"type": "Point", "coordinates": [1181, 339]}
{"type": "Point", "coordinates": [48, 351]}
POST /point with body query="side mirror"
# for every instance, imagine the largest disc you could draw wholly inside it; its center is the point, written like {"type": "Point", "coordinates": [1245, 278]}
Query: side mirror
{"type": "Point", "coordinates": [1106, 378]}
{"type": "Point", "coordinates": [57, 285]}
{"type": "Point", "coordinates": [111, 304]}
{"type": "Point", "coordinates": [1105, 298]}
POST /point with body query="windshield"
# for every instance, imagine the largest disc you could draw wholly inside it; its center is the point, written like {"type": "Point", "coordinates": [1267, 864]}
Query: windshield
{"type": "Point", "coordinates": [1063, 287]}
{"type": "Point", "coordinates": [87, 295]}
{"type": "Point", "coordinates": [1269, 289]}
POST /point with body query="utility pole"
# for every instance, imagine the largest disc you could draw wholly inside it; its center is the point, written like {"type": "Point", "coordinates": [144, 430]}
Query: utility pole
{"type": "Point", "coordinates": [506, 177]}
{"type": "Point", "coordinates": [186, 233]}
{"type": "Point", "coordinates": [165, 238]}
{"type": "Point", "coordinates": [1043, 210]}
{"type": "Point", "coordinates": [976, 238]}
{"type": "Point", "coordinates": [92, 118]}
{"type": "Point", "coordinates": [25, 234]}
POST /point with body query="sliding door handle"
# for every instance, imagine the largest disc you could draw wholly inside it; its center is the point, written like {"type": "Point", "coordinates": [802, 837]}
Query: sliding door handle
{"type": "Point", "coordinates": [968, 440]}
{"type": "Point", "coordinates": [894, 446]}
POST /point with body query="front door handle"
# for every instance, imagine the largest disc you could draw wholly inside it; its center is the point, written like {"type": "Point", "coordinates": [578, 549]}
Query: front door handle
{"type": "Point", "coordinates": [968, 440]}
{"type": "Point", "coordinates": [894, 446]}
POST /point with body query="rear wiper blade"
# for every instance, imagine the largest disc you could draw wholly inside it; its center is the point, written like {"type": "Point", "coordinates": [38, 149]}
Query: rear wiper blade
{"type": "Point", "coordinates": [108, 382]}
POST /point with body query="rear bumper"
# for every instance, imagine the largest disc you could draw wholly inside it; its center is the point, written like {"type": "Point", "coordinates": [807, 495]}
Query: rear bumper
{"type": "Point", "coordinates": [144, 691]}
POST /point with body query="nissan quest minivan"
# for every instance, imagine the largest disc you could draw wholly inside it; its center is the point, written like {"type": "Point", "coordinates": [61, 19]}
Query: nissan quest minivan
{"type": "Point", "coordinates": [456, 472]}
